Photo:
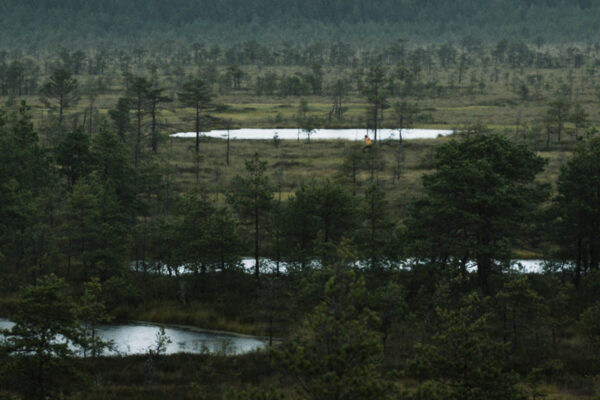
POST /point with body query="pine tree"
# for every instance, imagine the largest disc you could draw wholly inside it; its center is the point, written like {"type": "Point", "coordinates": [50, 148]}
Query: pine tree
{"type": "Point", "coordinates": [74, 157]}
{"type": "Point", "coordinates": [376, 95]}
{"type": "Point", "coordinates": [251, 197]}
{"type": "Point", "coordinates": [155, 99]}
{"type": "Point", "coordinates": [61, 89]}
{"type": "Point", "coordinates": [27, 194]}
{"type": "Point", "coordinates": [138, 95]}
{"type": "Point", "coordinates": [377, 228]}
{"type": "Point", "coordinates": [577, 209]}
{"type": "Point", "coordinates": [91, 313]}
{"type": "Point", "coordinates": [197, 94]}
{"type": "Point", "coordinates": [335, 354]}
{"type": "Point", "coordinates": [464, 359]}
{"type": "Point", "coordinates": [475, 203]}
{"type": "Point", "coordinates": [121, 118]}
{"type": "Point", "coordinates": [44, 314]}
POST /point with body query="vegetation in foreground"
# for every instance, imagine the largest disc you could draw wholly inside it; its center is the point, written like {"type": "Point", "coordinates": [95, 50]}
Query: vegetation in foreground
{"type": "Point", "coordinates": [442, 329]}
{"type": "Point", "coordinates": [99, 209]}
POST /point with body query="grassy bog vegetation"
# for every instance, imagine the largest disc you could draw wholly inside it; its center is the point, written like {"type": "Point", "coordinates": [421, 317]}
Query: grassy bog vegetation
{"type": "Point", "coordinates": [378, 271]}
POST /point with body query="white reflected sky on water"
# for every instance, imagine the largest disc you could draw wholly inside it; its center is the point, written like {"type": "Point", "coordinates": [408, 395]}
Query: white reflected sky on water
{"type": "Point", "coordinates": [138, 338]}
{"type": "Point", "coordinates": [268, 265]}
{"type": "Point", "coordinates": [293, 134]}
{"type": "Point", "coordinates": [6, 324]}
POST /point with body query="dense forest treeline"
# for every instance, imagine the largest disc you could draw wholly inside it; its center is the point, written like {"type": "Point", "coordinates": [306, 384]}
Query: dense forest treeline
{"type": "Point", "coordinates": [468, 51]}
{"type": "Point", "coordinates": [90, 23]}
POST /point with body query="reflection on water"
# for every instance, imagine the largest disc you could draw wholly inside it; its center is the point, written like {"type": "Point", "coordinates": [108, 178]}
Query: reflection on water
{"type": "Point", "coordinates": [6, 324]}
{"type": "Point", "coordinates": [268, 266]}
{"type": "Point", "coordinates": [138, 339]}
{"type": "Point", "coordinates": [294, 134]}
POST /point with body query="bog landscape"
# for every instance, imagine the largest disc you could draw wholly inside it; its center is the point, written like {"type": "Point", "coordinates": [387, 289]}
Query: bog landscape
{"type": "Point", "coordinates": [284, 199]}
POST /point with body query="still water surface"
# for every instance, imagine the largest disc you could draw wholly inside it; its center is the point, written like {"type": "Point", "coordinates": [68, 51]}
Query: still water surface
{"type": "Point", "coordinates": [269, 265]}
{"type": "Point", "coordinates": [329, 134]}
{"type": "Point", "coordinates": [139, 338]}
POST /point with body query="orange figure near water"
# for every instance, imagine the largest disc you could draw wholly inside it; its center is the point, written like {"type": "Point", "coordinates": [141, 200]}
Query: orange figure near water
{"type": "Point", "coordinates": [368, 143]}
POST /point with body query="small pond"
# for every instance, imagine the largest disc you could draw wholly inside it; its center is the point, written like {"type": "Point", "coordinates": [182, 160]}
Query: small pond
{"type": "Point", "coordinates": [137, 338]}
{"type": "Point", "coordinates": [329, 134]}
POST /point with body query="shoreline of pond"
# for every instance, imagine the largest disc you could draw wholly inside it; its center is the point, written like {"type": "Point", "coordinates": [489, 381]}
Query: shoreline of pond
{"type": "Point", "coordinates": [132, 338]}
{"type": "Point", "coordinates": [351, 134]}
{"type": "Point", "coordinates": [197, 329]}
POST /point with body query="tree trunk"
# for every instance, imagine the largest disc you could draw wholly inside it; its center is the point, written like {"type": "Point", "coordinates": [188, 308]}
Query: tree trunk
{"type": "Point", "coordinates": [197, 128]}
{"type": "Point", "coordinates": [227, 147]}
{"type": "Point", "coordinates": [593, 249]}
{"type": "Point", "coordinates": [256, 239]}
{"type": "Point", "coordinates": [483, 272]}
{"type": "Point", "coordinates": [60, 108]}
{"type": "Point", "coordinates": [154, 138]}
{"type": "Point", "coordinates": [577, 277]}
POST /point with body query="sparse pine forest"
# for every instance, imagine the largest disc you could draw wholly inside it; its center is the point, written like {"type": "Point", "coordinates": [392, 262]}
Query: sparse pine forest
{"type": "Point", "coordinates": [395, 269]}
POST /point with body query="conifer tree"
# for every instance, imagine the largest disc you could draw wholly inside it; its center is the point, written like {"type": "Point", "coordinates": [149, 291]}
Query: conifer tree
{"type": "Point", "coordinates": [61, 89]}
{"type": "Point", "coordinates": [335, 354]}
{"type": "Point", "coordinates": [251, 197]}
{"type": "Point", "coordinates": [44, 314]}
{"type": "Point", "coordinates": [479, 195]}
{"type": "Point", "coordinates": [197, 94]}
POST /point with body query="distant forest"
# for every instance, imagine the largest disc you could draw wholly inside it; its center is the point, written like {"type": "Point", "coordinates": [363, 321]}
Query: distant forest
{"type": "Point", "coordinates": [92, 23]}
